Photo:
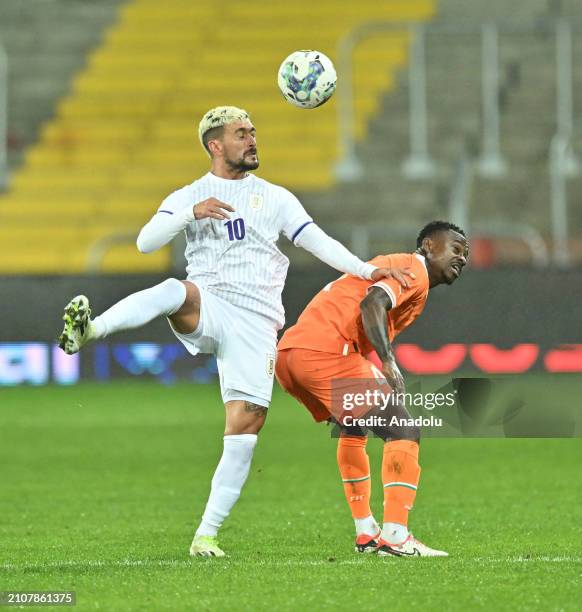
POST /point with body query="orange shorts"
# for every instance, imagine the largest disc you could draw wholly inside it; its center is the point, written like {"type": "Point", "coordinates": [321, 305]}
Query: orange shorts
{"type": "Point", "coordinates": [321, 381]}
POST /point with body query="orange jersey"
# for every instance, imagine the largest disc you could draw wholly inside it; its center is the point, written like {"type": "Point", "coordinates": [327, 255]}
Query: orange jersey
{"type": "Point", "coordinates": [332, 322]}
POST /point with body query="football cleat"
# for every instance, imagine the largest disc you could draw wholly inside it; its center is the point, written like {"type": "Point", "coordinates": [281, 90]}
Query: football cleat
{"type": "Point", "coordinates": [366, 543]}
{"type": "Point", "coordinates": [411, 547]}
{"type": "Point", "coordinates": [206, 546]}
{"type": "Point", "coordinates": [78, 327]}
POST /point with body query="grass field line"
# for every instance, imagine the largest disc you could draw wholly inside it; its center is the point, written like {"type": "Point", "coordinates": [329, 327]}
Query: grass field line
{"type": "Point", "coordinates": [184, 563]}
{"type": "Point", "coordinates": [172, 563]}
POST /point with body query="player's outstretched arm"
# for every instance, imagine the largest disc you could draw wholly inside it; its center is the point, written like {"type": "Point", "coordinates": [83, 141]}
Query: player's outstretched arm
{"type": "Point", "coordinates": [335, 254]}
{"type": "Point", "coordinates": [173, 217]}
{"type": "Point", "coordinates": [374, 308]}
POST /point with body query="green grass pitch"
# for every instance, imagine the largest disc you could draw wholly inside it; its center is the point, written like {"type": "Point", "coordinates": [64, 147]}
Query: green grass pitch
{"type": "Point", "coordinates": [102, 487]}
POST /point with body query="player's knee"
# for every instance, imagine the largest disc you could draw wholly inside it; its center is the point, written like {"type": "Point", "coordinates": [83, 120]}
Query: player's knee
{"type": "Point", "coordinates": [172, 284]}
{"type": "Point", "coordinates": [192, 294]}
{"type": "Point", "coordinates": [189, 296]}
{"type": "Point", "coordinates": [407, 432]}
{"type": "Point", "coordinates": [382, 430]}
{"type": "Point", "coordinates": [244, 417]}
{"type": "Point", "coordinates": [388, 431]}
{"type": "Point", "coordinates": [352, 431]}
{"type": "Point", "coordinates": [175, 289]}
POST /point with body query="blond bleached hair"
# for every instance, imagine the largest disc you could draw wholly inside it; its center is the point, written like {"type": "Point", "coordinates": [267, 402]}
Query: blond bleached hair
{"type": "Point", "coordinates": [219, 117]}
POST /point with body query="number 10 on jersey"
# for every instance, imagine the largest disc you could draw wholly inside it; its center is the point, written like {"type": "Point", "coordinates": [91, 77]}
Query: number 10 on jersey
{"type": "Point", "coordinates": [236, 229]}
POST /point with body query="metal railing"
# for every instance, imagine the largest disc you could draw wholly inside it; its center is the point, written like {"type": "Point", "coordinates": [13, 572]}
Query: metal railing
{"type": "Point", "coordinates": [360, 238]}
{"type": "Point", "coordinates": [459, 213]}
{"type": "Point", "coordinates": [460, 193]}
{"type": "Point", "coordinates": [100, 247]}
{"type": "Point", "coordinates": [491, 163]}
{"type": "Point", "coordinates": [562, 165]}
{"type": "Point", "coordinates": [3, 118]}
{"type": "Point", "coordinates": [419, 164]}
{"type": "Point", "coordinates": [521, 232]}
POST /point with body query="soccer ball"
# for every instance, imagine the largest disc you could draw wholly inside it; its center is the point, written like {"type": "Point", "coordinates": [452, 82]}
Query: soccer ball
{"type": "Point", "coordinates": [307, 79]}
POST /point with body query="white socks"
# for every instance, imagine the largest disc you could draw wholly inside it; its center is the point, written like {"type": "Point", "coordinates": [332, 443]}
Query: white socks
{"type": "Point", "coordinates": [394, 533]}
{"type": "Point", "coordinates": [140, 308]}
{"type": "Point", "coordinates": [367, 525]}
{"type": "Point", "coordinates": [228, 480]}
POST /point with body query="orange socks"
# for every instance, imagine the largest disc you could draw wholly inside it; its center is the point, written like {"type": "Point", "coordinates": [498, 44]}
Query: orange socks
{"type": "Point", "coordinates": [400, 474]}
{"type": "Point", "coordinates": [354, 467]}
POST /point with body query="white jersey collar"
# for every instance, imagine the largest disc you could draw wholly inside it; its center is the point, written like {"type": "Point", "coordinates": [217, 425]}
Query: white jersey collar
{"type": "Point", "coordinates": [421, 258]}
{"type": "Point", "coordinates": [221, 180]}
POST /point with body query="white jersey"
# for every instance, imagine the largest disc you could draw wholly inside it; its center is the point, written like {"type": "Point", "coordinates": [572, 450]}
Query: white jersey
{"type": "Point", "coordinates": [238, 260]}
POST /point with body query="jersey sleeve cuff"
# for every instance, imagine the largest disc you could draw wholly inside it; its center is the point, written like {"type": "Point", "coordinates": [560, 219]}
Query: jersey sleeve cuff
{"type": "Point", "coordinates": [387, 289]}
{"type": "Point", "coordinates": [188, 214]}
{"type": "Point", "coordinates": [367, 270]}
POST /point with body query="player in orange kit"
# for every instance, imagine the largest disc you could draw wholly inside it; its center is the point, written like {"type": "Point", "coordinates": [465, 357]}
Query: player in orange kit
{"type": "Point", "coordinates": [321, 362]}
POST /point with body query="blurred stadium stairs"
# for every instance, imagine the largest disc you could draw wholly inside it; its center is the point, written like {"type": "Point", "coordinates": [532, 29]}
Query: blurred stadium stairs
{"type": "Point", "coordinates": [384, 197]}
{"type": "Point", "coordinates": [47, 42]}
{"type": "Point", "coordinates": [125, 135]}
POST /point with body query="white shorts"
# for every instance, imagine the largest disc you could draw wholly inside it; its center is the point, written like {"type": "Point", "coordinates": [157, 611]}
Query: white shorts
{"type": "Point", "coordinates": [244, 344]}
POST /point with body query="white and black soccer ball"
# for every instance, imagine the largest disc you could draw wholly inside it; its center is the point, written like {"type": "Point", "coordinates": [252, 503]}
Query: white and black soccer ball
{"type": "Point", "coordinates": [307, 79]}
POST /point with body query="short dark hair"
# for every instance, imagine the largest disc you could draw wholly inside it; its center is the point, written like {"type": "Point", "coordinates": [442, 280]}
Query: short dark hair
{"type": "Point", "coordinates": [212, 134]}
{"type": "Point", "coordinates": [436, 226]}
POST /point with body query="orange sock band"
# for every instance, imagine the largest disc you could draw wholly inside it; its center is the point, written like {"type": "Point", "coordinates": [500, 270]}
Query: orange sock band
{"type": "Point", "coordinates": [354, 467]}
{"type": "Point", "coordinates": [400, 475]}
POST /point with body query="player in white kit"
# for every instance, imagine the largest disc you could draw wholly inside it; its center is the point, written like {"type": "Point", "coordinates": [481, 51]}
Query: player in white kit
{"type": "Point", "coordinates": [230, 304]}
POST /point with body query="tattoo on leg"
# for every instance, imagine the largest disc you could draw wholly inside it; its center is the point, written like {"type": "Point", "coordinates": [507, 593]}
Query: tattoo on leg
{"type": "Point", "coordinates": [259, 410]}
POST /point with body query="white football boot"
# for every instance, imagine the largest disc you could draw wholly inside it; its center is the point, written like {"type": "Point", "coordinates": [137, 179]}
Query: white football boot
{"type": "Point", "coordinates": [78, 326]}
{"type": "Point", "coordinates": [206, 546]}
{"type": "Point", "coordinates": [411, 547]}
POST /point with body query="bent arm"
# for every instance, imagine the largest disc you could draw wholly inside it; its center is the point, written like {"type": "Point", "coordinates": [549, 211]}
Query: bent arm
{"type": "Point", "coordinates": [162, 227]}
{"type": "Point", "coordinates": [313, 239]}
{"type": "Point", "coordinates": [374, 309]}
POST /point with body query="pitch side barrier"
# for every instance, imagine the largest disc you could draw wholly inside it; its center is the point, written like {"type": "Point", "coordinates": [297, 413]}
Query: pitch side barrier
{"type": "Point", "coordinates": [499, 307]}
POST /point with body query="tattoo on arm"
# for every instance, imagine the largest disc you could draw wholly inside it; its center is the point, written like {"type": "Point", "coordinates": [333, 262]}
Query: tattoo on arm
{"type": "Point", "coordinates": [374, 309]}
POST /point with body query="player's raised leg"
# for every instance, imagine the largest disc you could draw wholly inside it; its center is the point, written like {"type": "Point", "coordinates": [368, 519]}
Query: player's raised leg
{"type": "Point", "coordinates": [244, 420]}
{"type": "Point", "coordinates": [180, 301]}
